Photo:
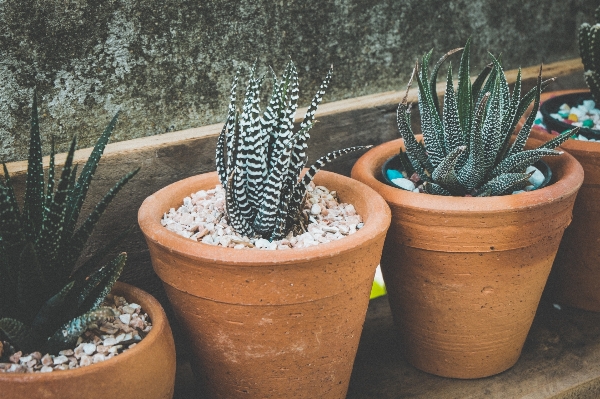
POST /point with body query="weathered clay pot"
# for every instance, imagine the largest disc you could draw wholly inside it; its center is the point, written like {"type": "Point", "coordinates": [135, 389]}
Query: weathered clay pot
{"type": "Point", "coordinates": [575, 279]}
{"type": "Point", "coordinates": [465, 275]}
{"type": "Point", "coordinates": [268, 324]}
{"type": "Point", "coordinates": [145, 371]}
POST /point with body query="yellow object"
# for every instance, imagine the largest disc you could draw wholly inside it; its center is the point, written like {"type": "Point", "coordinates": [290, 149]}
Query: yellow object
{"type": "Point", "coordinates": [573, 117]}
{"type": "Point", "coordinates": [378, 288]}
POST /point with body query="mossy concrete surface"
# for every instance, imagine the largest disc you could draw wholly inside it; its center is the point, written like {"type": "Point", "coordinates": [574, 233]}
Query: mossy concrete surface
{"type": "Point", "coordinates": [168, 64]}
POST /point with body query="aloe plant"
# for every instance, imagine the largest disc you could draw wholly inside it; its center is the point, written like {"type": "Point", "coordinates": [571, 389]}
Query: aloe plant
{"type": "Point", "coordinates": [259, 157]}
{"type": "Point", "coordinates": [45, 303]}
{"type": "Point", "coordinates": [589, 49]}
{"type": "Point", "coordinates": [466, 147]}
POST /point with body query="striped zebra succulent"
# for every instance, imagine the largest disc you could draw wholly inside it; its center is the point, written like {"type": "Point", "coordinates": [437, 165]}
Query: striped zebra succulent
{"type": "Point", "coordinates": [259, 157]}
{"type": "Point", "coordinates": [589, 49]}
{"type": "Point", "coordinates": [45, 301]}
{"type": "Point", "coordinates": [467, 148]}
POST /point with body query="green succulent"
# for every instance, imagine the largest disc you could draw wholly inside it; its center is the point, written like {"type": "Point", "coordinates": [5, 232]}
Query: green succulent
{"type": "Point", "coordinates": [45, 303]}
{"type": "Point", "coordinates": [259, 157]}
{"type": "Point", "coordinates": [589, 49]}
{"type": "Point", "coordinates": [466, 147]}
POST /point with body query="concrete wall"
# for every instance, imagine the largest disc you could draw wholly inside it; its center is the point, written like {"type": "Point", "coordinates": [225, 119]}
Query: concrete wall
{"type": "Point", "coordinates": [168, 64]}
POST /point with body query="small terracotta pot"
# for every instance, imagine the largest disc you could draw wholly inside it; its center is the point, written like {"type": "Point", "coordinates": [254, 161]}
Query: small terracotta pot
{"type": "Point", "coordinates": [575, 279]}
{"type": "Point", "coordinates": [465, 275]}
{"type": "Point", "coordinates": [269, 323]}
{"type": "Point", "coordinates": [145, 371]}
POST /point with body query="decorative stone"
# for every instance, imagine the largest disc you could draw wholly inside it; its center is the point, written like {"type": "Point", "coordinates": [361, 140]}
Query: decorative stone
{"type": "Point", "coordinates": [125, 318]}
{"type": "Point", "coordinates": [60, 359]}
{"type": "Point", "coordinates": [394, 174]}
{"type": "Point", "coordinates": [537, 178]}
{"type": "Point", "coordinates": [404, 184]}
{"type": "Point", "coordinates": [89, 349]}
{"type": "Point", "coordinates": [46, 369]}
{"type": "Point", "coordinates": [98, 357]}
{"type": "Point", "coordinates": [589, 104]}
{"type": "Point", "coordinates": [47, 360]}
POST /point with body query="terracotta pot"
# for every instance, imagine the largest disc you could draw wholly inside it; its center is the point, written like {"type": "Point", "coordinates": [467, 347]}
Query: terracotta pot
{"type": "Point", "coordinates": [145, 371]}
{"type": "Point", "coordinates": [576, 274]}
{"type": "Point", "coordinates": [465, 275]}
{"type": "Point", "coordinates": [268, 324]}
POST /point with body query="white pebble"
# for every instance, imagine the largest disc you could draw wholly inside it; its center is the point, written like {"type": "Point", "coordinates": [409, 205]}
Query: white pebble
{"type": "Point", "coordinates": [262, 243]}
{"type": "Point", "coordinates": [589, 104]}
{"type": "Point", "coordinates": [25, 359]}
{"type": "Point", "coordinates": [60, 359]}
{"type": "Point", "coordinates": [98, 357]}
{"type": "Point", "coordinates": [537, 178]}
{"type": "Point", "coordinates": [315, 209]}
{"type": "Point", "coordinates": [404, 183]}
{"type": "Point", "coordinates": [110, 341]}
{"type": "Point", "coordinates": [88, 349]}
{"type": "Point", "coordinates": [125, 318]}
{"type": "Point", "coordinates": [46, 369]}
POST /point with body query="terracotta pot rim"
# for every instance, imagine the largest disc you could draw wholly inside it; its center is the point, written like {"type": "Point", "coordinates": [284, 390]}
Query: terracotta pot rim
{"type": "Point", "coordinates": [379, 218]}
{"type": "Point", "coordinates": [369, 165]}
{"type": "Point", "coordinates": [574, 145]}
{"type": "Point", "coordinates": [159, 322]}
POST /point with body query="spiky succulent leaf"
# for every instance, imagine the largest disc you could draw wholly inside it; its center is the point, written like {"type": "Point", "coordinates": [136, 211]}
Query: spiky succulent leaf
{"type": "Point", "coordinates": [561, 138]}
{"type": "Point", "coordinates": [37, 259]}
{"type": "Point", "coordinates": [504, 184]}
{"type": "Point", "coordinates": [445, 174]}
{"type": "Point", "coordinates": [79, 192]}
{"type": "Point", "coordinates": [52, 313]}
{"type": "Point", "coordinates": [415, 151]}
{"type": "Point", "coordinates": [92, 291]}
{"type": "Point", "coordinates": [83, 233]}
{"type": "Point", "coordinates": [263, 194]}
{"type": "Point", "coordinates": [433, 133]}
{"type": "Point", "coordinates": [585, 49]}
{"type": "Point", "coordinates": [479, 81]}
{"type": "Point", "coordinates": [471, 150]}
{"type": "Point", "coordinates": [465, 100]}
{"type": "Point", "coordinates": [523, 134]}
{"type": "Point", "coordinates": [436, 189]}
{"type": "Point", "coordinates": [236, 220]}
{"type": "Point", "coordinates": [453, 133]}
{"type": "Point", "coordinates": [472, 174]}
{"type": "Point", "coordinates": [34, 183]}
{"type": "Point", "coordinates": [224, 156]}
{"type": "Point", "coordinates": [15, 331]}
{"type": "Point", "coordinates": [66, 336]}
{"type": "Point", "coordinates": [434, 74]}
{"type": "Point", "coordinates": [522, 160]}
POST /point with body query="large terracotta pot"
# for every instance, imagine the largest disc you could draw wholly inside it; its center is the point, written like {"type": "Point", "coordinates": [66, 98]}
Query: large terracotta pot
{"type": "Point", "coordinates": [465, 275]}
{"type": "Point", "coordinates": [145, 371]}
{"type": "Point", "coordinates": [262, 324]}
{"type": "Point", "coordinates": [575, 279]}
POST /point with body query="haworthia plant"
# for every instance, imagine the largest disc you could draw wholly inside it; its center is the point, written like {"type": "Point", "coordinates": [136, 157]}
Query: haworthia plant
{"type": "Point", "coordinates": [589, 49]}
{"type": "Point", "coordinates": [260, 158]}
{"type": "Point", "coordinates": [466, 148]}
{"type": "Point", "coordinates": [45, 302]}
